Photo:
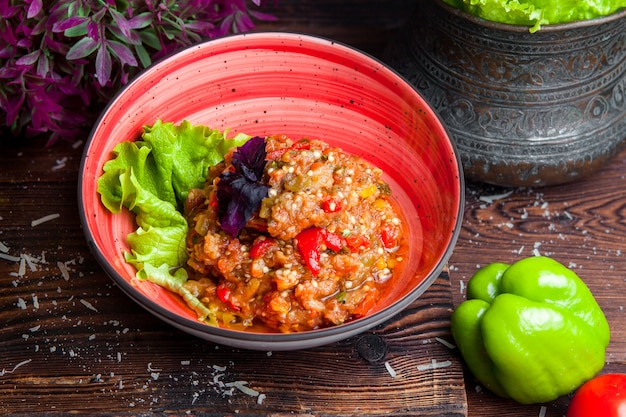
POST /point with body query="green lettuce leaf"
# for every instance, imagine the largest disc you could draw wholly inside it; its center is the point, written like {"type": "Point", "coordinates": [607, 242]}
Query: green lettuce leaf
{"type": "Point", "coordinates": [535, 13]}
{"type": "Point", "coordinates": [151, 177]}
{"type": "Point", "coordinates": [173, 281]}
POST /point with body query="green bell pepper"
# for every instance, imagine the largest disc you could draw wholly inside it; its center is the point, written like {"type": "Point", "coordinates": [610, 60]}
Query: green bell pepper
{"type": "Point", "coordinates": [531, 331]}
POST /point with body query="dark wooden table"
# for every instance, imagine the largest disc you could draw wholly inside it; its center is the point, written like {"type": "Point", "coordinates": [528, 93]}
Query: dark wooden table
{"type": "Point", "coordinates": [71, 342]}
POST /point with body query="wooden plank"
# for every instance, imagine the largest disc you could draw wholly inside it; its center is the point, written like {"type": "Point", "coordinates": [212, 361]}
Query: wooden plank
{"type": "Point", "coordinates": [71, 341]}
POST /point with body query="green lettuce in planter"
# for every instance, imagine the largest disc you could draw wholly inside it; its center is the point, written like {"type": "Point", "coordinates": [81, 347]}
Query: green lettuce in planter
{"type": "Point", "coordinates": [535, 13]}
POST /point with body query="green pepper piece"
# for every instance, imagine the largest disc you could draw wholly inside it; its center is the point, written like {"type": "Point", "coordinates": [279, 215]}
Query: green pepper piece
{"type": "Point", "coordinates": [531, 331]}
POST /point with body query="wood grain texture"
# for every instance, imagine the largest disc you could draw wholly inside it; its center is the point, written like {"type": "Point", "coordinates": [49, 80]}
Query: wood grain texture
{"type": "Point", "coordinates": [119, 360]}
{"type": "Point", "coordinates": [71, 341]}
{"type": "Point", "coordinates": [368, 25]}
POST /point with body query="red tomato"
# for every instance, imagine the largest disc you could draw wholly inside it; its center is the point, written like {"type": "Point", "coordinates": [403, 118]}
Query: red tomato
{"type": "Point", "coordinates": [602, 396]}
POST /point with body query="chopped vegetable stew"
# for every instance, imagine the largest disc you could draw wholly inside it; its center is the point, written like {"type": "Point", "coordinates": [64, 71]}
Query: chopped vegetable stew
{"type": "Point", "coordinates": [292, 236]}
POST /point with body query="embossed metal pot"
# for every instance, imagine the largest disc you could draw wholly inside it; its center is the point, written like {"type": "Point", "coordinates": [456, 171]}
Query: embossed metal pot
{"type": "Point", "coordinates": [524, 109]}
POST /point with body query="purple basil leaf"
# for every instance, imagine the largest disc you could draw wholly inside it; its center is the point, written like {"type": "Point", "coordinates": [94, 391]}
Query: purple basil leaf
{"type": "Point", "coordinates": [226, 25]}
{"type": "Point", "coordinates": [92, 31]}
{"type": "Point", "coordinates": [29, 59]}
{"type": "Point", "coordinates": [82, 48]}
{"type": "Point", "coordinates": [121, 23]}
{"type": "Point", "coordinates": [7, 33]}
{"type": "Point", "coordinates": [199, 26]}
{"type": "Point", "coordinates": [34, 8]}
{"type": "Point", "coordinates": [123, 53]}
{"type": "Point", "coordinates": [237, 200]}
{"type": "Point", "coordinates": [7, 52]}
{"type": "Point", "coordinates": [140, 21]}
{"type": "Point", "coordinates": [103, 65]}
{"type": "Point", "coordinates": [25, 43]}
{"type": "Point", "coordinates": [7, 11]}
{"type": "Point", "coordinates": [263, 16]}
{"type": "Point", "coordinates": [131, 37]}
{"type": "Point", "coordinates": [43, 66]}
{"type": "Point", "coordinates": [57, 46]}
{"type": "Point", "coordinates": [97, 16]}
{"type": "Point", "coordinates": [240, 193]}
{"type": "Point", "coordinates": [70, 22]}
{"type": "Point", "coordinates": [143, 55]}
{"type": "Point", "coordinates": [249, 159]}
{"type": "Point", "coordinates": [10, 72]}
{"type": "Point", "coordinates": [60, 10]}
{"type": "Point", "coordinates": [243, 22]}
{"type": "Point", "coordinates": [229, 196]}
{"type": "Point", "coordinates": [13, 108]}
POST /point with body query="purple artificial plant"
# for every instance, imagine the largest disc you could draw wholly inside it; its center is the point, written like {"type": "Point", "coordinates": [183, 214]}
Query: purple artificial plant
{"type": "Point", "coordinates": [62, 60]}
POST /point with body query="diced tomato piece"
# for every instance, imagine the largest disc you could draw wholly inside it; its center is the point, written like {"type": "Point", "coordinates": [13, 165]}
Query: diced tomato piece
{"type": "Point", "coordinates": [274, 155]}
{"type": "Point", "coordinates": [356, 243]}
{"type": "Point", "coordinates": [332, 204]}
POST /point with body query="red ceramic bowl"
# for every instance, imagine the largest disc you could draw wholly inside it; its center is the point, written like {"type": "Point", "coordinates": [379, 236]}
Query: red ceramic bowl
{"type": "Point", "coordinates": [301, 86]}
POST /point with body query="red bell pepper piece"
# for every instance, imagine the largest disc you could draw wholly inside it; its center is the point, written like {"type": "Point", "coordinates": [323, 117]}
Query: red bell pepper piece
{"type": "Point", "coordinates": [224, 293]}
{"type": "Point", "coordinates": [309, 243]}
{"type": "Point", "coordinates": [332, 240]}
{"type": "Point", "coordinates": [261, 246]}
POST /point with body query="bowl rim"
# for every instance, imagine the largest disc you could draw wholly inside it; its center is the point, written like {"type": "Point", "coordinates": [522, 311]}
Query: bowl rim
{"type": "Point", "coordinates": [548, 28]}
{"type": "Point", "coordinates": [258, 340]}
